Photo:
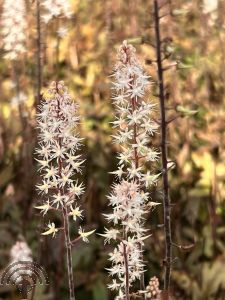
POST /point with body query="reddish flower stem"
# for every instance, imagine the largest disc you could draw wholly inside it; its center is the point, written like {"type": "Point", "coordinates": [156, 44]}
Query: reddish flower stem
{"type": "Point", "coordinates": [66, 226]}
{"type": "Point", "coordinates": [136, 157]}
{"type": "Point", "coordinates": [68, 254]}
{"type": "Point", "coordinates": [127, 286]}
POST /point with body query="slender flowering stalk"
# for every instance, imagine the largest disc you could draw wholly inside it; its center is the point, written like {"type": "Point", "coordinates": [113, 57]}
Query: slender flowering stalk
{"type": "Point", "coordinates": [56, 8]}
{"type": "Point", "coordinates": [14, 26]}
{"type": "Point", "coordinates": [59, 162]}
{"type": "Point", "coordinates": [129, 198]}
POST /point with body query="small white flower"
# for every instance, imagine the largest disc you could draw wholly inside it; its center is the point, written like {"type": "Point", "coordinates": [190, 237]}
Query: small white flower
{"type": "Point", "coordinates": [75, 213]}
{"type": "Point", "coordinates": [110, 234]}
{"type": "Point", "coordinates": [51, 230]}
{"type": "Point", "coordinates": [76, 189]}
{"type": "Point", "coordinates": [149, 179]}
{"type": "Point", "coordinates": [43, 163]}
{"type": "Point", "coordinates": [118, 172]}
{"type": "Point", "coordinates": [58, 200]}
{"type": "Point", "coordinates": [51, 172]}
{"type": "Point", "coordinates": [84, 235]}
{"type": "Point", "coordinates": [62, 31]}
{"type": "Point", "coordinates": [44, 208]}
{"type": "Point", "coordinates": [114, 285]}
{"type": "Point", "coordinates": [134, 172]}
{"type": "Point", "coordinates": [44, 187]}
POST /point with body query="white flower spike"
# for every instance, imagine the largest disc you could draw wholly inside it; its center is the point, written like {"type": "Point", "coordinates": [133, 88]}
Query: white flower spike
{"type": "Point", "coordinates": [57, 8]}
{"type": "Point", "coordinates": [59, 163]}
{"type": "Point", "coordinates": [129, 198]}
{"type": "Point", "coordinates": [14, 25]}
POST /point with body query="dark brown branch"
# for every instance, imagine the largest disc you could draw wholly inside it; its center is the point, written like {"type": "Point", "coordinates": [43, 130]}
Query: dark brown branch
{"type": "Point", "coordinates": [172, 119]}
{"type": "Point", "coordinates": [163, 16]}
{"type": "Point", "coordinates": [73, 242]}
{"type": "Point", "coordinates": [184, 247]}
{"type": "Point", "coordinates": [166, 200]}
{"type": "Point", "coordinates": [174, 64]}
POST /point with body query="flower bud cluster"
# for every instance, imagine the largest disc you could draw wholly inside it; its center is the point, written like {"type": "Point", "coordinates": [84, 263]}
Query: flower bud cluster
{"type": "Point", "coordinates": [14, 25]}
{"type": "Point", "coordinates": [153, 291]}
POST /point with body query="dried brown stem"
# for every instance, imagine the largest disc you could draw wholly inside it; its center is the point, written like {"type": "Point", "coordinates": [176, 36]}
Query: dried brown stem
{"type": "Point", "coordinates": [166, 199]}
{"type": "Point", "coordinates": [39, 50]}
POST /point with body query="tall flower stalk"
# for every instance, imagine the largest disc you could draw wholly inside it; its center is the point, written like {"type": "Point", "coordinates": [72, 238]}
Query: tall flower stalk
{"type": "Point", "coordinates": [14, 26]}
{"type": "Point", "coordinates": [59, 163]}
{"type": "Point", "coordinates": [130, 199]}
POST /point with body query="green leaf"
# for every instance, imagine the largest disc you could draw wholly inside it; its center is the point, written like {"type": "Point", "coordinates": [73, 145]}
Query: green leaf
{"type": "Point", "coordinates": [186, 111]}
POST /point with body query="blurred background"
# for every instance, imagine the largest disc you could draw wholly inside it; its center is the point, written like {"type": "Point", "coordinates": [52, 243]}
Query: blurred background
{"type": "Point", "coordinates": [82, 51]}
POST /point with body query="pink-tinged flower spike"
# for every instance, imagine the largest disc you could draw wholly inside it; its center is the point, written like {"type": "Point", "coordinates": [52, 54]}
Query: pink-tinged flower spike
{"type": "Point", "coordinates": [134, 123]}
{"type": "Point", "coordinates": [58, 162]}
{"type": "Point", "coordinates": [130, 199]}
{"type": "Point", "coordinates": [14, 26]}
{"type": "Point", "coordinates": [128, 233]}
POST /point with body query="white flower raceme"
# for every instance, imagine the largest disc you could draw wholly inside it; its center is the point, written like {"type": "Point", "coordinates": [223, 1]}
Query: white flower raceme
{"type": "Point", "coordinates": [129, 199]}
{"type": "Point", "coordinates": [14, 26]}
{"type": "Point", "coordinates": [129, 207]}
{"type": "Point", "coordinates": [57, 158]}
{"type": "Point", "coordinates": [59, 163]}
{"type": "Point", "coordinates": [134, 122]}
{"type": "Point", "coordinates": [56, 8]}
